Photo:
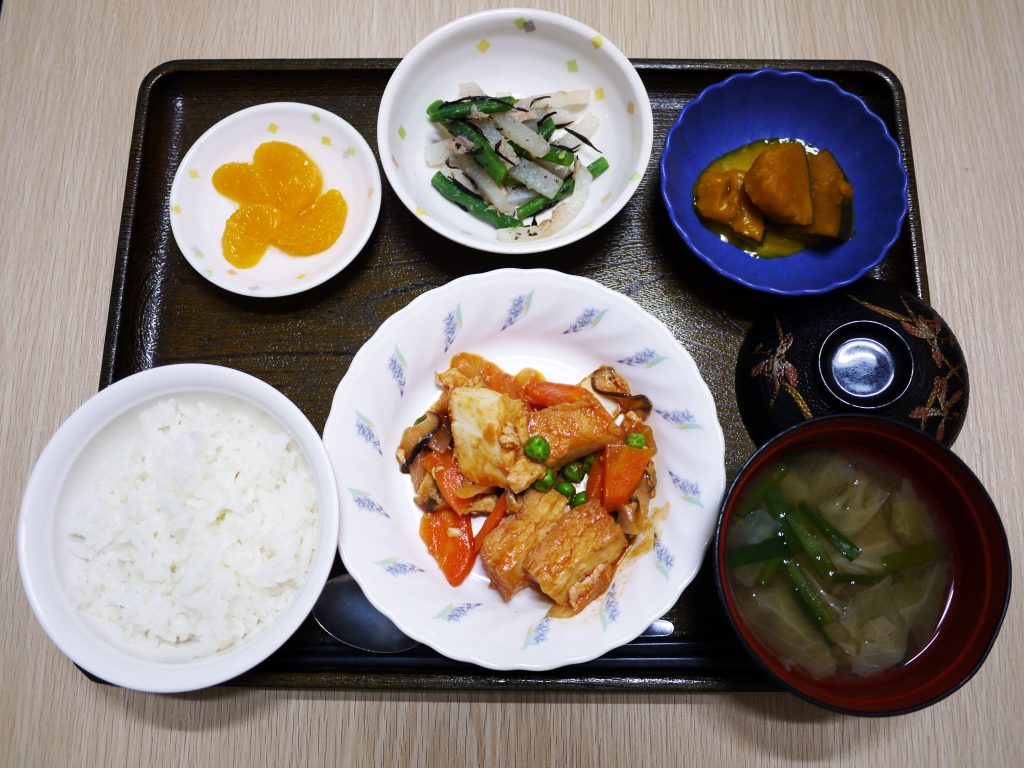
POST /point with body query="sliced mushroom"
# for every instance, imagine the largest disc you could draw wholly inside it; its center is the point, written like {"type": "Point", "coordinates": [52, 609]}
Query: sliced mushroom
{"type": "Point", "coordinates": [634, 516]}
{"type": "Point", "coordinates": [608, 382]}
{"type": "Point", "coordinates": [415, 438]}
{"type": "Point", "coordinates": [628, 518]}
{"type": "Point", "coordinates": [441, 440]}
{"type": "Point", "coordinates": [427, 495]}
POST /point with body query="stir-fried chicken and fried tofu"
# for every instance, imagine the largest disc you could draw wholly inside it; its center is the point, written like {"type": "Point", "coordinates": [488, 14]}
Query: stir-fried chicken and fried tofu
{"type": "Point", "coordinates": [575, 559]}
{"type": "Point", "coordinates": [489, 430]}
{"type": "Point", "coordinates": [565, 481]}
{"type": "Point", "coordinates": [506, 548]}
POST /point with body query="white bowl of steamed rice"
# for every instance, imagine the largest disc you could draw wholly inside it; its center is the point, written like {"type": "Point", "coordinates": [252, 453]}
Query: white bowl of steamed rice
{"type": "Point", "coordinates": [177, 528]}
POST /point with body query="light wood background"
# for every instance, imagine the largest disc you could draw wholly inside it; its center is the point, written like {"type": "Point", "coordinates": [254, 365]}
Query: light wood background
{"type": "Point", "coordinates": [69, 74]}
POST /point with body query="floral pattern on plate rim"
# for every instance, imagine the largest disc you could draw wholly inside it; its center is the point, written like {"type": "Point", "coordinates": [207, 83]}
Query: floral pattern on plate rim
{"type": "Point", "coordinates": [455, 613]}
{"type": "Point", "coordinates": [460, 325]}
{"type": "Point", "coordinates": [689, 489]}
{"type": "Point", "coordinates": [537, 633]}
{"type": "Point", "coordinates": [365, 501]}
{"type": "Point", "coordinates": [395, 567]}
{"type": "Point", "coordinates": [366, 432]}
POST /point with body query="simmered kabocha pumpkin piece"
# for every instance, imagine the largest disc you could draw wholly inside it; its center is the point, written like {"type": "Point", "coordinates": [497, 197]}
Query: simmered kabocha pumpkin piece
{"type": "Point", "coordinates": [779, 184]}
{"type": "Point", "coordinates": [314, 229]}
{"type": "Point", "coordinates": [719, 196]}
{"type": "Point", "coordinates": [248, 232]}
{"type": "Point", "coordinates": [830, 193]}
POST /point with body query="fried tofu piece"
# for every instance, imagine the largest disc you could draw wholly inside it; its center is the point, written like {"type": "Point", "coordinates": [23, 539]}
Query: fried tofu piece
{"type": "Point", "coordinates": [488, 432]}
{"type": "Point", "coordinates": [779, 184]}
{"type": "Point", "coordinates": [575, 560]}
{"type": "Point", "coordinates": [574, 429]}
{"type": "Point", "coordinates": [506, 547]}
{"type": "Point", "coordinates": [719, 196]}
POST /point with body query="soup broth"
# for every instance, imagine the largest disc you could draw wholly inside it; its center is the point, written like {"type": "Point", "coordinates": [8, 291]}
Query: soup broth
{"type": "Point", "coordinates": [837, 564]}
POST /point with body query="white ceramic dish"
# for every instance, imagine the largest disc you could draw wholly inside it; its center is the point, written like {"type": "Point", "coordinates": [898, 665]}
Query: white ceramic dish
{"type": "Point", "coordinates": [523, 52]}
{"type": "Point", "coordinates": [198, 212]}
{"type": "Point", "coordinates": [40, 553]}
{"type": "Point", "coordinates": [566, 327]}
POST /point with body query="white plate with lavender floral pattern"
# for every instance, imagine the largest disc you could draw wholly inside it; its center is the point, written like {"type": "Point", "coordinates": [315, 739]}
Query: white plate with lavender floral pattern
{"type": "Point", "coordinates": [565, 327]}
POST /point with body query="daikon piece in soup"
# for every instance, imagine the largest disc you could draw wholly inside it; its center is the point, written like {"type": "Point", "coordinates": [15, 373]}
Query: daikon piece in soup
{"type": "Point", "coordinates": [838, 564]}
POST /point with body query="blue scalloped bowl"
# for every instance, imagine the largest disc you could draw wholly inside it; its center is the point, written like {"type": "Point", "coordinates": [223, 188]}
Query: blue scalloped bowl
{"type": "Point", "coordinates": [773, 104]}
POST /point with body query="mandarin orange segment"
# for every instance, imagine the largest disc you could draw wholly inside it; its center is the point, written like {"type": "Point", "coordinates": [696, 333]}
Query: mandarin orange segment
{"type": "Point", "coordinates": [315, 229]}
{"type": "Point", "coordinates": [248, 233]}
{"type": "Point", "coordinates": [242, 183]}
{"type": "Point", "coordinates": [291, 176]}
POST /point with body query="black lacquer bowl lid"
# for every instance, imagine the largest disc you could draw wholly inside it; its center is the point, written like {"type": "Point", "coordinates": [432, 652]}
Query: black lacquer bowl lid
{"type": "Point", "coordinates": [870, 348]}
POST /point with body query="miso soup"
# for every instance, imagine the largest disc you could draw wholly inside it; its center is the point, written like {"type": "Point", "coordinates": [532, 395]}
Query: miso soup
{"type": "Point", "coordinates": [837, 564]}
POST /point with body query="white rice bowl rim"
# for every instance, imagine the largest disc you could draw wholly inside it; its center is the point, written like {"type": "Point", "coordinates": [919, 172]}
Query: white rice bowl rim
{"type": "Point", "coordinates": [38, 548]}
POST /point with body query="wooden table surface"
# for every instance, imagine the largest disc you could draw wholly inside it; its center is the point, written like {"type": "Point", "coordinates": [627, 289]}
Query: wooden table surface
{"type": "Point", "coordinates": [69, 74]}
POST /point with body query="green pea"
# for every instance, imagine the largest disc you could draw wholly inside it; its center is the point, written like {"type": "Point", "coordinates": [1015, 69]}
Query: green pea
{"type": "Point", "coordinates": [579, 498]}
{"type": "Point", "coordinates": [566, 489]}
{"type": "Point", "coordinates": [636, 440]}
{"type": "Point", "coordinates": [547, 482]}
{"type": "Point", "coordinates": [537, 448]}
{"type": "Point", "coordinates": [573, 472]}
{"type": "Point", "coordinates": [588, 462]}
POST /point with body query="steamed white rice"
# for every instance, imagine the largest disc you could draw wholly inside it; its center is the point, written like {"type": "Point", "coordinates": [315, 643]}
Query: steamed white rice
{"type": "Point", "coordinates": [196, 532]}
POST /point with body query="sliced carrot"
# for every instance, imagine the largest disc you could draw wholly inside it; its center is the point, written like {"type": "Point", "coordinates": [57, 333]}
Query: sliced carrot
{"type": "Point", "coordinates": [623, 470]}
{"type": "Point", "coordinates": [543, 394]}
{"type": "Point", "coordinates": [449, 539]}
{"type": "Point", "coordinates": [449, 478]}
{"type": "Point", "coordinates": [495, 517]}
{"type": "Point", "coordinates": [595, 478]}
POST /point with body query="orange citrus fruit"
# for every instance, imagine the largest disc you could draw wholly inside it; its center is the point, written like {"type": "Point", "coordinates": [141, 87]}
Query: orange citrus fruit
{"type": "Point", "coordinates": [248, 233]}
{"type": "Point", "coordinates": [242, 183]}
{"type": "Point", "coordinates": [290, 175]}
{"type": "Point", "coordinates": [314, 229]}
{"type": "Point", "coordinates": [281, 204]}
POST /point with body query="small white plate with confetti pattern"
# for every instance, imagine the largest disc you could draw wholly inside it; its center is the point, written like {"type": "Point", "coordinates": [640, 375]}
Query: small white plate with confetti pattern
{"type": "Point", "coordinates": [522, 52]}
{"type": "Point", "coordinates": [566, 327]}
{"type": "Point", "coordinates": [198, 212]}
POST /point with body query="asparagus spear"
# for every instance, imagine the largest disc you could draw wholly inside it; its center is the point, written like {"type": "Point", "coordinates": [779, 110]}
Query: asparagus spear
{"type": "Point", "coordinates": [756, 495]}
{"type": "Point", "coordinates": [469, 202]}
{"type": "Point", "coordinates": [916, 555]}
{"type": "Point", "coordinates": [539, 203]}
{"type": "Point", "coordinates": [545, 128]}
{"type": "Point", "coordinates": [453, 110]}
{"type": "Point", "coordinates": [768, 571]}
{"type": "Point", "coordinates": [860, 579]}
{"type": "Point", "coordinates": [755, 553]}
{"type": "Point", "coordinates": [484, 154]}
{"type": "Point", "coordinates": [843, 545]}
{"type": "Point", "coordinates": [811, 544]}
{"type": "Point", "coordinates": [808, 597]}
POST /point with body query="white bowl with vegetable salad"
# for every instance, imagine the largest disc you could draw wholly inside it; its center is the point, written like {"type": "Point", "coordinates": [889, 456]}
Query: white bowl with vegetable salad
{"type": "Point", "coordinates": [177, 528]}
{"type": "Point", "coordinates": [539, 130]}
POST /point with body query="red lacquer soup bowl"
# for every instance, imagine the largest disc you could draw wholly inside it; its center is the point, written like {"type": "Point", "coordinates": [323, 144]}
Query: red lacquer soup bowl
{"type": "Point", "coordinates": [978, 557]}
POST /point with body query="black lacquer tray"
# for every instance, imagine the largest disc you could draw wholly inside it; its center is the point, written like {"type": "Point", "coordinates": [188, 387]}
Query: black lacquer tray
{"type": "Point", "coordinates": [162, 311]}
